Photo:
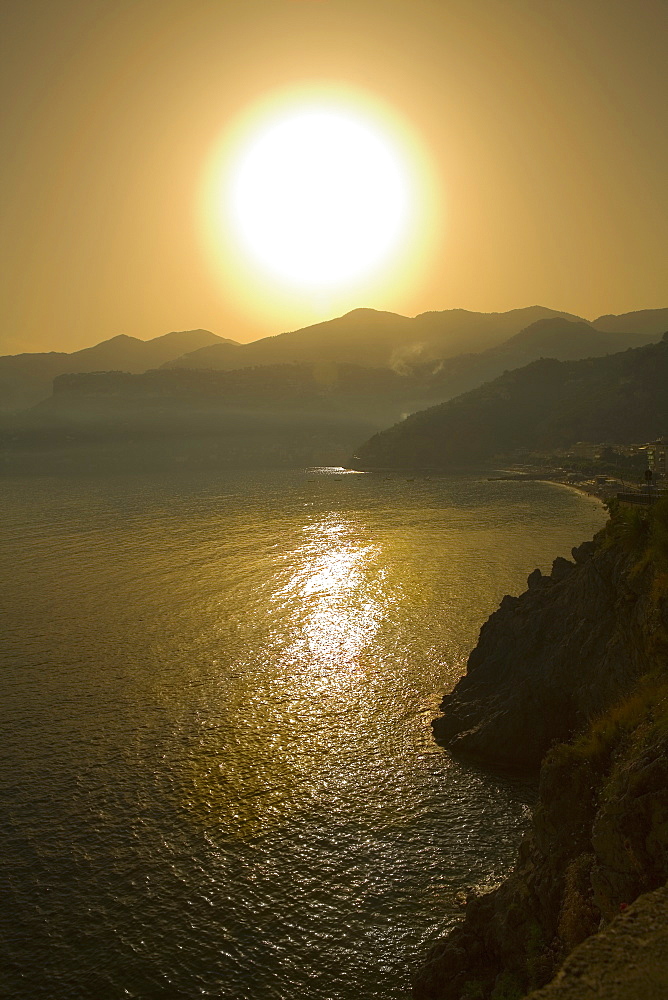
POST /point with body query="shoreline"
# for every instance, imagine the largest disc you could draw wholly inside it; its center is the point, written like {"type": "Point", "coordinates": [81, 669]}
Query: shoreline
{"type": "Point", "coordinates": [600, 491]}
{"type": "Point", "coordinates": [600, 488]}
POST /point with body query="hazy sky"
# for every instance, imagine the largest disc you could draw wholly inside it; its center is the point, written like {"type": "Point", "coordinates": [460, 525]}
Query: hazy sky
{"type": "Point", "coordinates": [545, 123]}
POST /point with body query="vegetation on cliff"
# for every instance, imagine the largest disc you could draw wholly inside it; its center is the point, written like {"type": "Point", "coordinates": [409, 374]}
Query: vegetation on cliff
{"type": "Point", "coordinates": [599, 837]}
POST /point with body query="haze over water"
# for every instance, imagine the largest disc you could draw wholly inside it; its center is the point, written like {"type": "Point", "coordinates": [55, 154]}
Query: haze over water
{"type": "Point", "coordinates": [219, 776]}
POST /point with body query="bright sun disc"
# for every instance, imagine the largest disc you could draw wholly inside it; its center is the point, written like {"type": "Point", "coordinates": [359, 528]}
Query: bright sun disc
{"type": "Point", "coordinates": [318, 197]}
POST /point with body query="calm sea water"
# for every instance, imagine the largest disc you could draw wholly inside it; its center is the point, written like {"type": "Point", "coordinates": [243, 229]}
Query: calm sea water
{"type": "Point", "coordinates": [218, 777]}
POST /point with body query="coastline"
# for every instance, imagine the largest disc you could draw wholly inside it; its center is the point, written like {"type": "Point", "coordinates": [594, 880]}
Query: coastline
{"type": "Point", "coordinates": [570, 678]}
{"type": "Point", "coordinates": [601, 491]}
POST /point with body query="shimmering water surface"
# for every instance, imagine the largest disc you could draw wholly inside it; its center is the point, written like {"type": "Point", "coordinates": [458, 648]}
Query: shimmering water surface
{"type": "Point", "coordinates": [218, 774]}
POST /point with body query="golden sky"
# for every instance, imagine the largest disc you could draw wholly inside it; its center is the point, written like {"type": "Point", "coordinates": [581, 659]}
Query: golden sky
{"type": "Point", "coordinates": [542, 125]}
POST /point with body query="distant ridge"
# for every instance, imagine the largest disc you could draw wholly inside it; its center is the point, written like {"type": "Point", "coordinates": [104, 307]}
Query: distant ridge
{"type": "Point", "coordinates": [287, 414]}
{"type": "Point", "coordinates": [650, 321]}
{"type": "Point", "coordinates": [269, 416]}
{"type": "Point", "coordinates": [375, 339]}
{"type": "Point", "coordinates": [620, 398]}
{"type": "Point", "coordinates": [27, 378]}
{"type": "Point", "coordinates": [563, 339]}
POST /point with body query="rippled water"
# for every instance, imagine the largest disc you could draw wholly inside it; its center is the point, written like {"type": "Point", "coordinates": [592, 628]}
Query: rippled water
{"type": "Point", "coordinates": [218, 773]}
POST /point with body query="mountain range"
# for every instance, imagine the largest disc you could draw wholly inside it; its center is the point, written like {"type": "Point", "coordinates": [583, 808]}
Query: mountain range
{"type": "Point", "coordinates": [374, 397]}
{"type": "Point", "coordinates": [430, 342]}
{"type": "Point", "coordinates": [27, 378]}
{"type": "Point", "coordinates": [374, 339]}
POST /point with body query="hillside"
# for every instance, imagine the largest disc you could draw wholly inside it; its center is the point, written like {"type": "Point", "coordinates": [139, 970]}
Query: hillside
{"type": "Point", "coordinates": [375, 339]}
{"type": "Point", "coordinates": [563, 339]}
{"type": "Point", "coordinates": [380, 395]}
{"type": "Point", "coordinates": [294, 413]}
{"type": "Point", "coordinates": [27, 378]}
{"type": "Point", "coordinates": [265, 388]}
{"type": "Point", "coordinates": [424, 346]}
{"type": "Point", "coordinates": [546, 405]}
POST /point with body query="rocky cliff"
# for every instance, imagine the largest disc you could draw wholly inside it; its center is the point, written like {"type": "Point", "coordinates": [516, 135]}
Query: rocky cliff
{"type": "Point", "coordinates": [629, 959]}
{"type": "Point", "coordinates": [581, 657]}
{"type": "Point", "coordinates": [549, 660]}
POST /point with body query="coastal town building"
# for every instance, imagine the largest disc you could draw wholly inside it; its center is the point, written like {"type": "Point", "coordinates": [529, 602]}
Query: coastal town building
{"type": "Point", "coordinates": [656, 457]}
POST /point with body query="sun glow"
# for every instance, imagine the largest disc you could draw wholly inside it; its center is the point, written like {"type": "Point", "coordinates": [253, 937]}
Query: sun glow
{"type": "Point", "coordinates": [318, 199]}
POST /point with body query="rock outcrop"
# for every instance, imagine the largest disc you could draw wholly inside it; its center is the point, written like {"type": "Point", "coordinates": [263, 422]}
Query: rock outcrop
{"type": "Point", "coordinates": [548, 661]}
{"type": "Point", "coordinates": [599, 839]}
{"type": "Point", "coordinates": [581, 657]}
{"type": "Point", "coordinates": [626, 961]}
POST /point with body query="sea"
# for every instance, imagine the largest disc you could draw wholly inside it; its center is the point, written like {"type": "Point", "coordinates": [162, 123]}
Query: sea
{"type": "Point", "coordinates": [218, 776]}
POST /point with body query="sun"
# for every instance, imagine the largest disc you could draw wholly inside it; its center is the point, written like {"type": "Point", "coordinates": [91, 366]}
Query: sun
{"type": "Point", "coordinates": [316, 196]}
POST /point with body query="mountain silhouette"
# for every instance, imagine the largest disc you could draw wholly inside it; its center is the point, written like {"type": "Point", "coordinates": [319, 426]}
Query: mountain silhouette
{"type": "Point", "coordinates": [428, 346]}
{"type": "Point", "coordinates": [374, 339]}
{"type": "Point", "coordinates": [563, 339]}
{"type": "Point", "coordinates": [378, 395]}
{"type": "Point", "coordinates": [650, 321]}
{"type": "Point", "coordinates": [27, 378]}
{"type": "Point", "coordinates": [273, 414]}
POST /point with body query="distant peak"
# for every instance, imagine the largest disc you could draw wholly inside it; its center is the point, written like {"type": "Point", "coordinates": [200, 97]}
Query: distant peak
{"type": "Point", "coordinates": [120, 338]}
{"type": "Point", "coordinates": [207, 338]}
{"type": "Point", "coordinates": [364, 312]}
{"type": "Point", "coordinates": [185, 333]}
{"type": "Point", "coordinates": [368, 315]}
{"type": "Point", "coordinates": [437, 312]}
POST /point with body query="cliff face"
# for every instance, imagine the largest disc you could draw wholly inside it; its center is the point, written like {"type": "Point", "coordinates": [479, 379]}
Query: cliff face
{"type": "Point", "coordinates": [599, 839]}
{"type": "Point", "coordinates": [551, 659]}
{"type": "Point", "coordinates": [582, 655]}
{"type": "Point", "coordinates": [627, 960]}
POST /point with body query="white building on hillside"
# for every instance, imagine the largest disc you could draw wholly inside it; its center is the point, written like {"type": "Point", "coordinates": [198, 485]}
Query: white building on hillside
{"type": "Point", "coordinates": [656, 457]}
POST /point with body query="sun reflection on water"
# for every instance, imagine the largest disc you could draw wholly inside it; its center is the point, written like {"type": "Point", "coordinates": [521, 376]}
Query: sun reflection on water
{"type": "Point", "coordinates": [340, 615]}
{"type": "Point", "coordinates": [311, 686]}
